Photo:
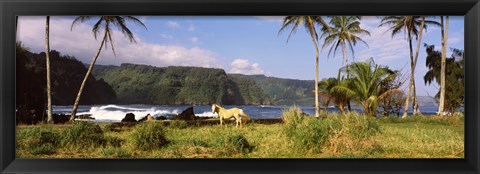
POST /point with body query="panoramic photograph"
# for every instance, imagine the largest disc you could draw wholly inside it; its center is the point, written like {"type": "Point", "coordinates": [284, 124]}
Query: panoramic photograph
{"type": "Point", "coordinates": [240, 87]}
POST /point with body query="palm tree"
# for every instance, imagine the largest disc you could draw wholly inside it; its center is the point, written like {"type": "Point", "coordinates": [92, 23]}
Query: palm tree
{"type": "Point", "coordinates": [309, 22]}
{"type": "Point", "coordinates": [47, 59]}
{"type": "Point", "coordinates": [344, 29]}
{"type": "Point", "coordinates": [325, 86]}
{"type": "Point", "coordinates": [366, 84]}
{"type": "Point", "coordinates": [410, 25]}
{"type": "Point", "coordinates": [341, 98]}
{"type": "Point", "coordinates": [107, 22]}
{"type": "Point", "coordinates": [441, 105]}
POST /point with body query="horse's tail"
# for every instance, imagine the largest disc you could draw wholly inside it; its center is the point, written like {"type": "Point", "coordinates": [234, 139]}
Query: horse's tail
{"type": "Point", "coordinates": [242, 114]}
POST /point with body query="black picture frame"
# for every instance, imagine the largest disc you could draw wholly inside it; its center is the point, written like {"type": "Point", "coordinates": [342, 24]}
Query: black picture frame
{"type": "Point", "coordinates": [10, 8]}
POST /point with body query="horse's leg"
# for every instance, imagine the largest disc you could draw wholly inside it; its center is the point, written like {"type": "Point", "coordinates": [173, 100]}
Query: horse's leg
{"type": "Point", "coordinates": [239, 120]}
{"type": "Point", "coordinates": [221, 121]}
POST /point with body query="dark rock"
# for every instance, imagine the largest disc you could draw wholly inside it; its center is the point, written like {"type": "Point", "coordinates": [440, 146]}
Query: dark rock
{"type": "Point", "coordinates": [148, 117]}
{"type": "Point", "coordinates": [85, 116]}
{"type": "Point", "coordinates": [60, 118]}
{"type": "Point", "coordinates": [187, 114]}
{"type": "Point", "coordinates": [202, 118]}
{"type": "Point", "coordinates": [130, 117]}
{"type": "Point", "coordinates": [161, 118]}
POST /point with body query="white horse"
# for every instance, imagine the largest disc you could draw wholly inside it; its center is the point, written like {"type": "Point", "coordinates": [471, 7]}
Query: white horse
{"type": "Point", "coordinates": [240, 117]}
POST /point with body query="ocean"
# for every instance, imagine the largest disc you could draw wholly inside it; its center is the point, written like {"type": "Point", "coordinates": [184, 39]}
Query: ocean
{"type": "Point", "coordinates": [115, 113]}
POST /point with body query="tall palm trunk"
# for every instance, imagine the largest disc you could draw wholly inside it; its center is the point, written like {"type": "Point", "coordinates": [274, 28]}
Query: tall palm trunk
{"type": "Point", "coordinates": [441, 106]}
{"type": "Point", "coordinates": [80, 91]}
{"type": "Point", "coordinates": [407, 100]}
{"type": "Point", "coordinates": [413, 64]}
{"type": "Point", "coordinates": [345, 56]}
{"type": "Point", "coordinates": [47, 59]}
{"type": "Point", "coordinates": [316, 76]}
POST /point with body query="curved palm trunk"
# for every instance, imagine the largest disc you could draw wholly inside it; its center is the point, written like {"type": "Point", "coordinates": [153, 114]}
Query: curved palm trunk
{"type": "Point", "coordinates": [413, 63]}
{"type": "Point", "coordinates": [47, 59]}
{"type": "Point", "coordinates": [441, 106]}
{"type": "Point", "coordinates": [416, 109]}
{"type": "Point", "coordinates": [80, 91]}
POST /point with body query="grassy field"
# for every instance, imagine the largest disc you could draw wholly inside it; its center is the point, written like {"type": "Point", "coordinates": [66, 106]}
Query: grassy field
{"type": "Point", "coordinates": [350, 136]}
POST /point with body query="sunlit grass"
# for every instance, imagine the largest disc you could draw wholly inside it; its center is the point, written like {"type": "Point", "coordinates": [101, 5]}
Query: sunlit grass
{"type": "Point", "coordinates": [352, 136]}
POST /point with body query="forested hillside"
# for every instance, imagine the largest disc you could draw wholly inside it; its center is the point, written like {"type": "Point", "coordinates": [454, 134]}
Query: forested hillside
{"type": "Point", "coordinates": [178, 85]}
{"type": "Point", "coordinates": [194, 85]}
{"type": "Point", "coordinates": [284, 91]}
{"type": "Point", "coordinates": [66, 73]}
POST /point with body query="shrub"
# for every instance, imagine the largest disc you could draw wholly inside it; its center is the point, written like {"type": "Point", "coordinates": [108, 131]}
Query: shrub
{"type": "Point", "coordinates": [40, 140]}
{"type": "Point", "coordinates": [83, 134]}
{"type": "Point", "coordinates": [310, 133]}
{"type": "Point", "coordinates": [307, 132]}
{"type": "Point", "coordinates": [232, 142]}
{"type": "Point", "coordinates": [147, 136]}
{"type": "Point", "coordinates": [238, 142]}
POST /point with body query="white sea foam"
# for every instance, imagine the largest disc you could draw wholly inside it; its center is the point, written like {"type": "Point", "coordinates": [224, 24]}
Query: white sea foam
{"type": "Point", "coordinates": [207, 114]}
{"type": "Point", "coordinates": [115, 112]}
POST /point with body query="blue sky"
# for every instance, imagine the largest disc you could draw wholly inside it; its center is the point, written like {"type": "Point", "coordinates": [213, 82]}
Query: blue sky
{"type": "Point", "coordinates": [238, 44]}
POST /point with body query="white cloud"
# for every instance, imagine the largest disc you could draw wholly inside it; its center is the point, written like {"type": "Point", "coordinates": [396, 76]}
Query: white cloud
{"type": "Point", "coordinates": [173, 24]}
{"type": "Point", "coordinates": [191, 28]}
{"type": "Point", "coordinates": [271, 18]}
{"type": "Point", "coordinates": [382, 47]}
{"type": "Point", "coordinates": [194, 40]}
{"type": "Point", "coordinates": [166, 36]}
{"type": "Point", "coordinates": [81, 44]}
{"type": "Point", "coordinates": [243, 66]}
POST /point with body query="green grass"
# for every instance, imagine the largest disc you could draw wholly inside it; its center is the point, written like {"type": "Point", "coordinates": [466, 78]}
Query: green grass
{"type": "Point", "coordinates": [335, 136]}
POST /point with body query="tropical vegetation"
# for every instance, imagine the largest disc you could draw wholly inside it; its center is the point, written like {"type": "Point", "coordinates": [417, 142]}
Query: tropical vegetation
{"type": "Point", "coordinates": [347, 134]}
{"type": "Point", "coordinates": [108, 23]}
{"type": "Point", "coordinates": [454, 78]}
{"type": "Point", "coordinates": [309, 22]}
{"type": "Point", "coordinates": [66, 75]}
{"type": "Point", "coordinates": [411, 26]}
{"type": "Point", "coordinates": [338, 136]}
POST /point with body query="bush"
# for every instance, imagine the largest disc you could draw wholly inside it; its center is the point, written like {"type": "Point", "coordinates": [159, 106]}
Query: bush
{"type": "Point", "coordinates": [335, 131]}
{"type": "Point", "coordinates": [307, 132]}
{"type": "Point", "coordinates": [147, 136]}
{"type": "Point", "coordinates": [231, 143]}
{"type": "Point", "coordinates": [39, 140]}
{"type": "Point", "coordinates": [238, 142]}
{"type": "Point", "coordinates": [83, 134]}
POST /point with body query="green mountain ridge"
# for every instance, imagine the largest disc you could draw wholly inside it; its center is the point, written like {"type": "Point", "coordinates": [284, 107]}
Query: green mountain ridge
{"type": "Point", "coordinates": [134, 83]}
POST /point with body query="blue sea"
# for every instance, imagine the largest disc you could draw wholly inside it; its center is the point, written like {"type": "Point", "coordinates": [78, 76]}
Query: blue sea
{"type": "Point", "coordinates": [115, 113]}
